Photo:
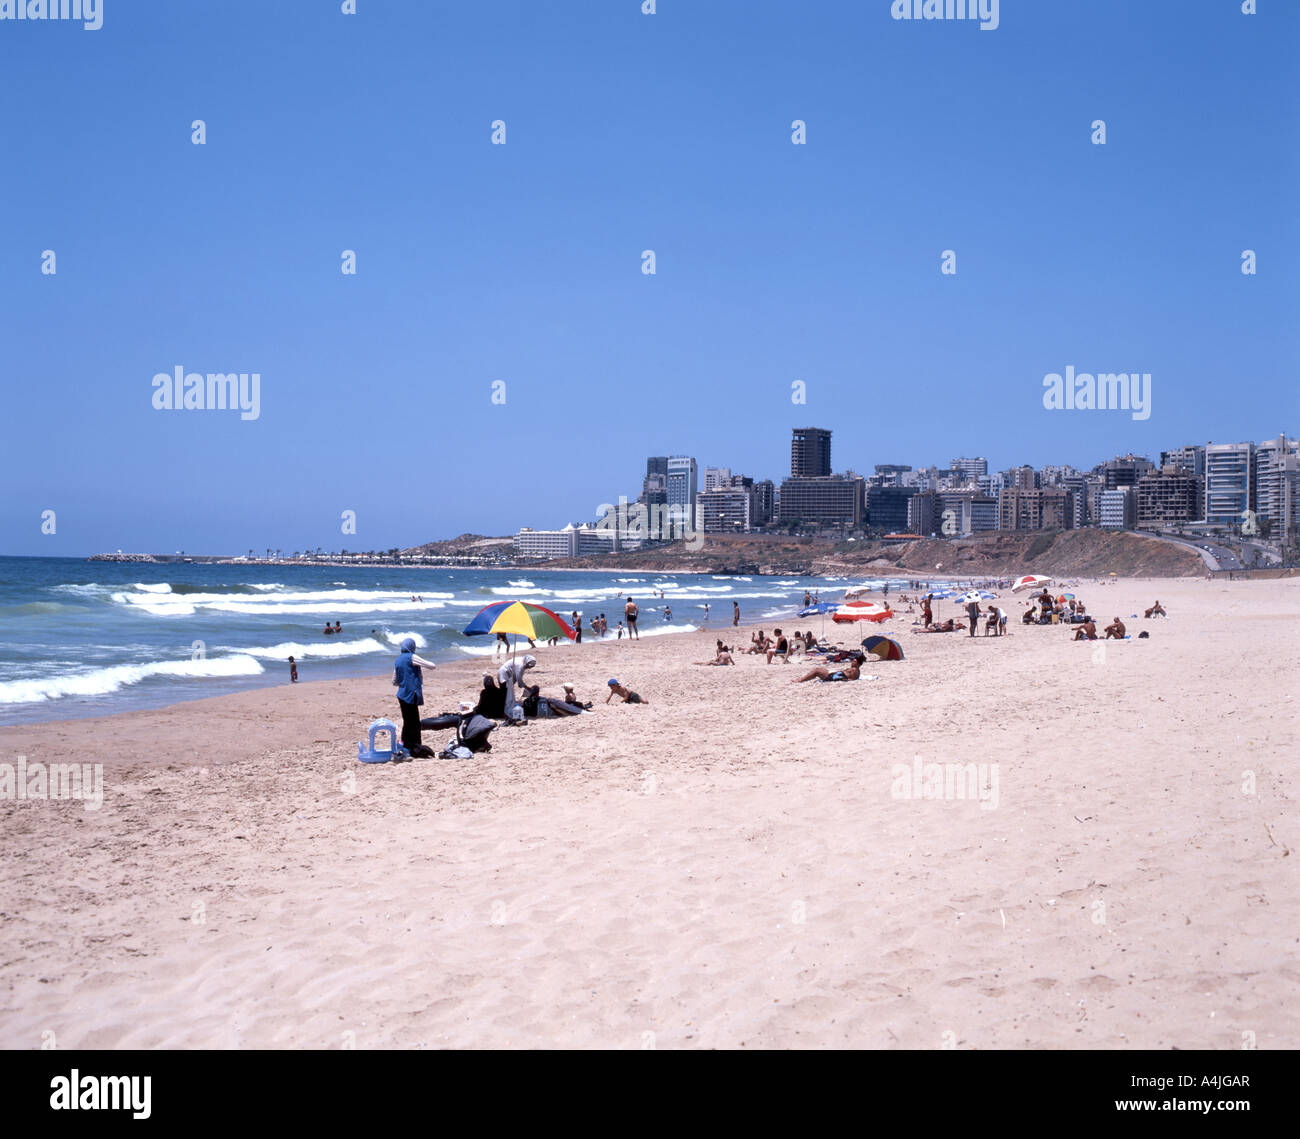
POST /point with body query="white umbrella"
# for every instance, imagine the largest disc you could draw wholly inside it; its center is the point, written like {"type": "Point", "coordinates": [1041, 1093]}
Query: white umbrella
{"type": "Point", "coordinates": [1029, 581]}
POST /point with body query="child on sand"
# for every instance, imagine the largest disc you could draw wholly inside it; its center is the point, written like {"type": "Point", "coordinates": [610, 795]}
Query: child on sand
{"type": "Point", "coordinates": [629, 697]}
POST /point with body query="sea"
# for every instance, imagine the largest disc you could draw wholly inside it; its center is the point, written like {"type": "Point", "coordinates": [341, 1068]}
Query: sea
{"type": "Point", "coordinates": [81, 638]}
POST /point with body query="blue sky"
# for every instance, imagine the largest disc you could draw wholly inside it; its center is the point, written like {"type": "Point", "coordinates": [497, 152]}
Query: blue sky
{"type": "Point", "coordinates": [522, 262]}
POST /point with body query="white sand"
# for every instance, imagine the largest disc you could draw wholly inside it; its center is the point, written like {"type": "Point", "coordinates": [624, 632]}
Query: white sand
{"type": "Point", "coordinates": [724, 867]}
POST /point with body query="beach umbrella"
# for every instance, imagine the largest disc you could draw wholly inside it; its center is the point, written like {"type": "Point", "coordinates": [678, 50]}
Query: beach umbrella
{"type": "Point", "coordinates": [1066, 597]}
{"type": "Point", "coordinates": [975, 595]}
{"type": "Point", "coordinates": [820, 607]}
{"type": "Point", "coordinates": [520, 619]}
{"type": "Point", "coordinates": [886, 648]}
{"type": "Point", "coordinates": [1029, 581]}
{"type": "Point", "coordinates": [862, 611]}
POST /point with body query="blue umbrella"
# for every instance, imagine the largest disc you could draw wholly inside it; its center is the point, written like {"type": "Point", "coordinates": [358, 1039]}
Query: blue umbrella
{"type": "Point", "coordinates": [813, 610]}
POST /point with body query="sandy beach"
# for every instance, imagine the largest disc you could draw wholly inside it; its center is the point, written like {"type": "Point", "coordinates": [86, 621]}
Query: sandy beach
{"type": "Point", "coordinates": [731, 865]}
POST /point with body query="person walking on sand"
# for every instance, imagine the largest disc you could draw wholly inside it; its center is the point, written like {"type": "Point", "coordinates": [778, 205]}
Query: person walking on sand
{"type": "Point", "coordinates": [293, 671]}
{"type": "Point", "coordinates": [631, 612]}
{"type": "Point", "coordinates": [735, 613]}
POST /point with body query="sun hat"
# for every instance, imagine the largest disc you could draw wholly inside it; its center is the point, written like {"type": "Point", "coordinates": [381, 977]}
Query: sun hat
{"type": "Point", "coordinates": [613, 683]}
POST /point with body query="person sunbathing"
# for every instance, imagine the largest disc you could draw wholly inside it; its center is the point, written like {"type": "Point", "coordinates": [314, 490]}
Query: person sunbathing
{"type": "Point", "coordinates": [1086, 632]}
{"type": "Point", "coordinates": [780, 648]}
{"type": "Point", "coordinates": [757, 643]}
{"type": "Point", "coordinates": [1115, 630]}
{"type": "Point", "coordinates": [849, 672]}
{"type": "Point", "coordinates": [948, 626]}
{"type": "Point", "coordinates": [722, 658]}
{"type": "Point", "coordinates": [1157, 610]}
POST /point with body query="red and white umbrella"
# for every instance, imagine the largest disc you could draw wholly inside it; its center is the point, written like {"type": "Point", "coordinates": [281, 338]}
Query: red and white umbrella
{"type": "Point", "coordinates": [862, 611]}
{"type": "Point", "coordinates": [1029, 581]}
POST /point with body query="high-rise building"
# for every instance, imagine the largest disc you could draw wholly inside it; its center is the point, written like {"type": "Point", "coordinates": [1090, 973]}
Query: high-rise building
{"type": "Point", "coordinates": [654, 488]}
{"type": "Point", "coordinates": [1191, 459]}
{"type": "Point", "coordinates": [810, 453]}
{"type": "Point", "coordinates": [1229, 482]}
{"type": "Point", "coordinates": [1020, 478]}
{"type": "Point", "coordinates": [683, 479]}
{"type": "Point", "coordinates": [763, 508]}
{"type": "Point", "coordinates": [961, 512]}
{"type": "Point", "coordinates": [834, 500]}
{"type": "Point", "coordinates": [922, 512]}
{"type": "Point", "coordinates": [1272, 477]}
{"type": "Point", "coordinates": [973, 469]}
{"type": "Point", "coordinates": [715, 477]}
{"type": "Point", "coordinates": [1117, 508]}
{"type": "Point", "coordinates": [1166, 497]}
{"type": "Point", "coordinates": [887, 507]}
{"type": "Point", "coordinates": [1124, 470]}
{"type": "Point", "coordinates": [1077, 485]}
{"type": "Point", "coordinates": [723, 510]}
{"type": "Point", "coordinates": [1033, 509]}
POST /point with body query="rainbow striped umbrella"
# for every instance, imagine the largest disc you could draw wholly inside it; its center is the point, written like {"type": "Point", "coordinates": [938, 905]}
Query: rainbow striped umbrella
{"type": "Point", "coordinates": [520, 618]}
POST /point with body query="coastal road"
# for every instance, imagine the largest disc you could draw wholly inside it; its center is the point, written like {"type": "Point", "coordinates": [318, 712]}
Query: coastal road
{"type": "Point", "coordinates": [1213, 557]}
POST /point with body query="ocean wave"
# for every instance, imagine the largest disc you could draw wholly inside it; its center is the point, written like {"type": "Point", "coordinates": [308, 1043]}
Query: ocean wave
{"type": "Point", "coordinates": [32, 607]}
{"type": "Point", "coordinates": [397, 638]}
{"type": "Point", "coordinates": [146, 587]}
{"type": "Point", "coordinates": [323, 649]}
{"type": "Point", "coordinates": [102, 681]}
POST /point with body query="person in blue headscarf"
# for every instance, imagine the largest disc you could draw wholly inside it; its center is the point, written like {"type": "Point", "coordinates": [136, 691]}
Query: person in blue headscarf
{"type": "Point", "coordinates": [409, 682]}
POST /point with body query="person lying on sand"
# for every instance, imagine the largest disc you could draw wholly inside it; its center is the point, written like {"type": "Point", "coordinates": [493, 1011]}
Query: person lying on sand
{"type": "Point", "coordinates": [849, 672]}
{"type": "Point", "coordinates": [948, 626]}
{"type": "Point", "coordinates": [1114, 630]}
{"type": "Point", "coordinates": [723, 657]}
{"type": "Point", "coordinates": [1087, 631]}
{"type": "Point", "coordinates": [629, 697]}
